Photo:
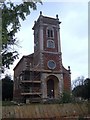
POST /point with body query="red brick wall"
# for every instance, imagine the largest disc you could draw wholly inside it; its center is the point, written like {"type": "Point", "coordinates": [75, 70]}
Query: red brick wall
{"type": "Point", "coordinates": [20, 66]}
{"type": "Point", "coordinates": [46, 38]}
{"type": "Point", "coordinates": [67, 82]}
{"type": "Point", "coordinates": [37, 59]}
{"type": "Point", "coordinates": [47, 57]}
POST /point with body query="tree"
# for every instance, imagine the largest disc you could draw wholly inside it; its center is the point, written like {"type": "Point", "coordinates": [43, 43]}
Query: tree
{"type": "Point", "coordinates": [82, 90]}
{"type": "Point", "coordinates": [78, 91]}
{"type": "Point", "coordinates": [7, 88]}
{"type": "Point", "coordinates": [86, 94]}
{"type": "Point", "coordinates": [11, 15]}
{"type": "Point", "coordinates": [79, 81]}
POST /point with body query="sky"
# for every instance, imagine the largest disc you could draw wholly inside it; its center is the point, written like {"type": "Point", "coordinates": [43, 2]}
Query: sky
{"type": "Point", "coordinates": [73, 34]}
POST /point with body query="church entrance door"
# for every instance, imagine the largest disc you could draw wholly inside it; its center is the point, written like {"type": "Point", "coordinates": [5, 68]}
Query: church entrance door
{"type": "Point", "coordinates": [50, 88]}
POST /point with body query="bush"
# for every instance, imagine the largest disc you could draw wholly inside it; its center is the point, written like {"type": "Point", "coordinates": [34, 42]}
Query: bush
{"type": "Point", "coordinates": [66, 97]}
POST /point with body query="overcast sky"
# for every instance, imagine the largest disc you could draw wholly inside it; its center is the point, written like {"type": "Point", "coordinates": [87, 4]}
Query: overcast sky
{"type": "Point", "coordinates": [73, 34]}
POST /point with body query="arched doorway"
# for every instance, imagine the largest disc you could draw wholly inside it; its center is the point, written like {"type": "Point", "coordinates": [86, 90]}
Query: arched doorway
{"type": "Point", "coordinates": [50, 88]}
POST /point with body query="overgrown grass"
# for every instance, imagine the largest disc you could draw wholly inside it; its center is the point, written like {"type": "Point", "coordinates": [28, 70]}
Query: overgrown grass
{"type": "Point", "coordinates": [7, 103]}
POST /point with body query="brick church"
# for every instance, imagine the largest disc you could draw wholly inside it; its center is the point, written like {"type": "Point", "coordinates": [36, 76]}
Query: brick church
{"type": "Point", "coordinates": [42, 74]}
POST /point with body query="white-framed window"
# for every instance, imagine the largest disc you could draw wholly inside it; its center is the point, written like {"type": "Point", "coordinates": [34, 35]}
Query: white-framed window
{"type": "Point", "coordinates": [50, 44]}
{"type": "Point", "coordinates": [50, 32]}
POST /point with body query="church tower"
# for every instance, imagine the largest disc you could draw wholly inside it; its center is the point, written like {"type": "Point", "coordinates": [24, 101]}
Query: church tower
{"type": "Point", "coordinates": [47, 55]}
{"type": "Point", "coordinates": [47, 47]}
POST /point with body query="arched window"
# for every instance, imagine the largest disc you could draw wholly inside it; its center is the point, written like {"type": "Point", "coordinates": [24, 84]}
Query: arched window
{"type": "Point", "coordinates": [50, 44]}
{"type": "Point", "coordinates": [50, 32]}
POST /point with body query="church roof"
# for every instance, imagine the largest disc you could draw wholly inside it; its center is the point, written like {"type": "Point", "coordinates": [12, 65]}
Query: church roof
{"type": "Point", "coordinates": [29, 58]}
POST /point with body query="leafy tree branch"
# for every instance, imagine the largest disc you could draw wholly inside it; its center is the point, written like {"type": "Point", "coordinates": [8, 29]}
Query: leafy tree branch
{"type": "Point", "coordinates": [11, 15]}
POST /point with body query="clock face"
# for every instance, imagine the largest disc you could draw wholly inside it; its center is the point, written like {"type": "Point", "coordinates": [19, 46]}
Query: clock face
{"type": "Point", "coordinates": [51, 64]}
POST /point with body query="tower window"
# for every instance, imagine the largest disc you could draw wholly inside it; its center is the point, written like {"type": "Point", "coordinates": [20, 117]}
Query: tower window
{"type": "Point", "coordinates": [50, 32]}
{"type": "Point", "coordinates": [50, 44]}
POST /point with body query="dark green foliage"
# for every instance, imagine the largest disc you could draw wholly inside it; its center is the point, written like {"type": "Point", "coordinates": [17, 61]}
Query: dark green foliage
{"type": "Point", "coordinates": [83, 90]}
{"type": "Point", "coordinates": [82, 118]}
{"type": "Point", "coordinates": [7, 88]}
{"type": "Point", "coordinates": [9, 57]}
{"type": "Point", "coordinates": [87, 89]}
{"type": "Point", "coordinates": [51, 101]}
{"type": "Point", "coordinates": [11, 15]}
{"type": "Point", "coordinates": [66, 97]}
{"type": "Point", "coordinates": [78, 91]}
{"type": "Point", "coordinates": [8, 103]}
